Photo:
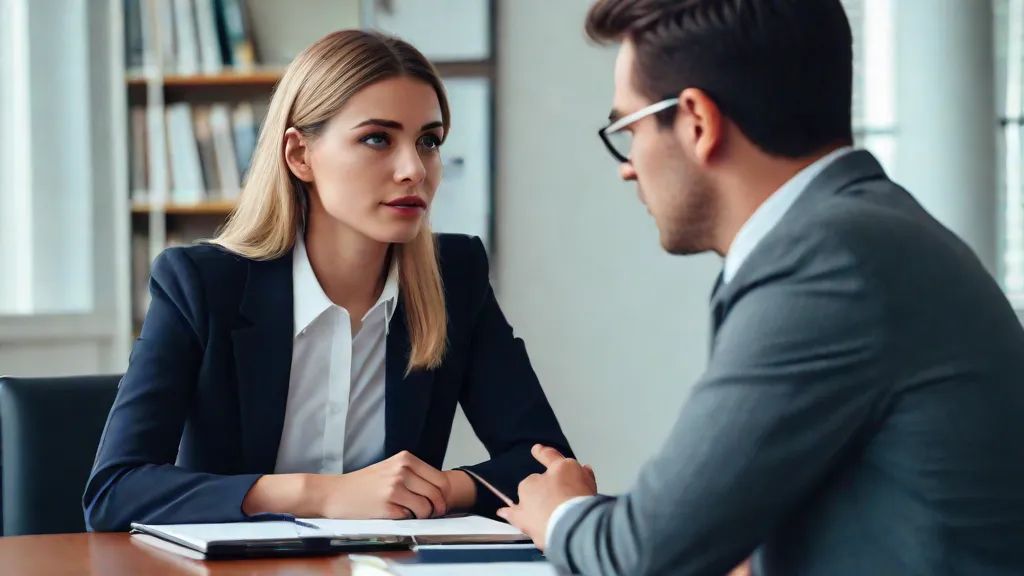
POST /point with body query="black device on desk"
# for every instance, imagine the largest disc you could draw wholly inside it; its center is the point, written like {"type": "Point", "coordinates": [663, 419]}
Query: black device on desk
{"type": "Point", "coordinates": [477, 553]}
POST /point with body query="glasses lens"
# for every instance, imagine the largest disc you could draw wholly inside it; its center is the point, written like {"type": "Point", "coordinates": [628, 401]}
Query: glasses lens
{"type": "Point", "coordinates": [622, 142]}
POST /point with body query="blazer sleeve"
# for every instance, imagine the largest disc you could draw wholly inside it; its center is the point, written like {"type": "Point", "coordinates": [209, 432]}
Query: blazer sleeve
{"type": "Point", "coordinates": [792, 387]}
{"type": "Point", "coordinates": [134, 478]}
{"type": "Point", "coordinates": [502, 398]}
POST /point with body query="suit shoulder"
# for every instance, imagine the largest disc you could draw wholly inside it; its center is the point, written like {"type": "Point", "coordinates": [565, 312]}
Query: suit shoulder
{"type": "Point", "coordinates": [463, 264]}
{"type": "Point", "coordinates": [458, 247]}
{"type": "Point", "coordinates": [200, 266]}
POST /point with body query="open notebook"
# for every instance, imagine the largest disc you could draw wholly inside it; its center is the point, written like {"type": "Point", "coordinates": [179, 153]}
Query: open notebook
{"type": "Point", "coordinates": [320, 536]}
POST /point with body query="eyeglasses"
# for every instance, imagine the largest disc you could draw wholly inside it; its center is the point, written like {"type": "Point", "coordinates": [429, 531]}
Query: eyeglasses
{"type": "Point", "coordinates": [619, 140]}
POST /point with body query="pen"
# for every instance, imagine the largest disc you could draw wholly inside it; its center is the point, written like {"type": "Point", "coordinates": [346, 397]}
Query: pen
{"type": "Point", "coordinates": [275, 517]}
{"type": "Point", "coordinates": [508, 501]}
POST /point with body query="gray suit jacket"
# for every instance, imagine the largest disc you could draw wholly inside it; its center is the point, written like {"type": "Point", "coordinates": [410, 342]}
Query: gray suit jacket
{"type": "Point", "coordinates": [862, 412]}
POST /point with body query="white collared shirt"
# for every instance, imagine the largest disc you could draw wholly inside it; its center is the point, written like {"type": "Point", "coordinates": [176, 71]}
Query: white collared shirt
{"type": "Point", "coordinates": [334, 420]}
{"type": "Point", "coordinates": [750, 235]}
{"type": "Point", "coordinates": [772, 210]}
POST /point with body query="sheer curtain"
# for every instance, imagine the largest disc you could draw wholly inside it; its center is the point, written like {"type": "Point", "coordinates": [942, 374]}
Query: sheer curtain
{"type": "Point", "coordinates": [1009, 27]}
{"type": "Point", "coordinates": [874, 98]}
{"type": "Point", "coordinates": [46, 215]}
{"type": "Point", "coordinates": [63, 203]}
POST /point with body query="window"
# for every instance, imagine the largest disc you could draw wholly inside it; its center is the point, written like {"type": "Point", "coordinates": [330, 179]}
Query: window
{"type": "Point", "coordinates": [874, 96]}
{"type": "Point", "coordinates": [1009, 49]}
{"type": "Point", "coordinates": [46, 221]}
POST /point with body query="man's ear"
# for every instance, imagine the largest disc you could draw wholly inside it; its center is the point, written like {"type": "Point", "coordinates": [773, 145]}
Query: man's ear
{"type": "Point", "coordinates": [296, 155]}
{"type": "Point", "coordinates": [699, 124]}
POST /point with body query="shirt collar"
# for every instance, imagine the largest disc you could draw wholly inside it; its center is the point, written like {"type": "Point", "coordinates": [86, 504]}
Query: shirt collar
{"type": "Point", "coordinates": [310, 301]}
{"type": "Point", "coordinates": [771, 211]}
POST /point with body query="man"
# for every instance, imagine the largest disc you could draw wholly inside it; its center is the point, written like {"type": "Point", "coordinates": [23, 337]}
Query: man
{"type": "Point", "coordinates": [862, 412]}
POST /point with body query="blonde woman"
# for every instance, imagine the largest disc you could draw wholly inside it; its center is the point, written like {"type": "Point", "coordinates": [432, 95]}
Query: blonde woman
{"type": "Point", "coordinates": [309, 360]}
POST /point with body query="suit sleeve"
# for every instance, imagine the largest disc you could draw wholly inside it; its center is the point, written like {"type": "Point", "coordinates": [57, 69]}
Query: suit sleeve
{"type": "Point", "coordinates": [502, 397]}
{"type": "Point", "coordinates": [134, 478]}
{"type": "Point", "coordinates": [792, 384]}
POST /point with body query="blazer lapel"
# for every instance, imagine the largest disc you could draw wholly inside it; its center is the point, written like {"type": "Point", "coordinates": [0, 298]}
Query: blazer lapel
{"type": "Point", "coordinates": [717, 308]}
{"type": "Point", "coordinates": [406, 398]}
{"type": "Point", "coordinates": [856, 166]}
{"type": "Point", "coordinates": [263, 357]}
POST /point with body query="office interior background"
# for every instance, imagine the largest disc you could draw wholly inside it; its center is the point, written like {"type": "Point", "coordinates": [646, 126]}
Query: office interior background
{"type": "Point", "coordinates": [119, 135]}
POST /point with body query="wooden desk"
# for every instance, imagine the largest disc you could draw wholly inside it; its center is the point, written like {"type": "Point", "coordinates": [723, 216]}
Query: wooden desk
{"type": "Point", "coordinates": [115, 554]}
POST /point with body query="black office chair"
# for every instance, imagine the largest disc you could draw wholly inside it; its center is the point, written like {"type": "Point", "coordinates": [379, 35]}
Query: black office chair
{"type": "Point", "coordinates": [49, 431]}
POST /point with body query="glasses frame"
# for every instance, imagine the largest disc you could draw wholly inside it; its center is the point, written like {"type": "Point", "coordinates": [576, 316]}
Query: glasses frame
{"type": "Point", "coordinates": [625, 121]}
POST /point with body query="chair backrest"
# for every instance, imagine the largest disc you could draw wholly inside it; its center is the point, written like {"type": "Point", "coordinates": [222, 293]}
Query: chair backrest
{"type": "Point", "coordinates": [49, 431]}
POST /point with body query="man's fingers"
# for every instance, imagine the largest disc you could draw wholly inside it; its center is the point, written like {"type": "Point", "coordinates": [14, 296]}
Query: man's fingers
{"type": "Point", "coordinates": [546, 455]}
{"type": "Point", "coordinates": [509, 514]}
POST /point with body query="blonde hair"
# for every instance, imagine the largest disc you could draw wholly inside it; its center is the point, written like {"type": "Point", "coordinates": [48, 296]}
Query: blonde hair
{"type": "Point", "coordinates": [273, 202]}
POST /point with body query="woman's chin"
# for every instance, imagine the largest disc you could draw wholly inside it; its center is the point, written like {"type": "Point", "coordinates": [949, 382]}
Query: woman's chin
{"type": "Point", "coordinates": [399, 234]}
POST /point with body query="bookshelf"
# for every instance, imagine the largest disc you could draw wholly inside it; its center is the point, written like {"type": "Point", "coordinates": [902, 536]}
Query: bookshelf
{"type": "Point", "coordinates": [209, 208]}
{"type": "Point", "coordinates": [198, 76]}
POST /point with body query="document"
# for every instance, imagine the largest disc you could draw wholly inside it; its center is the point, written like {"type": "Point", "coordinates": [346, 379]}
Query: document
{"type": "Point", "coordinates": [322, 536]}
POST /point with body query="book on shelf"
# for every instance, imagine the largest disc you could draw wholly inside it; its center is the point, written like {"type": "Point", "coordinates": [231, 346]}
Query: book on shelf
{"type": "Point", "coordinates": [140, 277]}
{"type": "Point", "coordinates": [134, 40]}
{"type": "Point", "coordinates": [243, 119]}
{"type": "Point", "coordinates": [207, 152]}
{"type": "Point", "coordinates": [196, 36]}
{"type": "Point", "coordinates": [210, 58]}
{"type": "Point", "coordinates": [185, 37]}
{"type": "Point", "coordinates": [224, 145]}
{"type": "Point", "coordinates": [209, 147]}
{"type": "Point", "coordinates": [235, 33]}
{"type": "Point", "coordinates": [139, 152]}
{"type": "Point", "coordinates": [183, 151]}
{"type": "Point", "coordinates": [168, 46]}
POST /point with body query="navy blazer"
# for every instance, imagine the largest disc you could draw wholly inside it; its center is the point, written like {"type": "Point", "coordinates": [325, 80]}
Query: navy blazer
{"type": "Point", "coordinates": [199, 413]}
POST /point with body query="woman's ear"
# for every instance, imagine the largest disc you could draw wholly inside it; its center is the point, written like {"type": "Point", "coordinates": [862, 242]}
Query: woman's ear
{"type": "Point", "coordinates": [296, 155]}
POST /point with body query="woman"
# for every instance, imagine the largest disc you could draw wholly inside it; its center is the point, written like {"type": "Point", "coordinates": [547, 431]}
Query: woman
{"type": "Point", "coordinates": [309, 360]}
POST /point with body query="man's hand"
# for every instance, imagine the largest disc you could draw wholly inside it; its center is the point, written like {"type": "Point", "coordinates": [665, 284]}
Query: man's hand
{"type": "Point", "coordinates": [540, 494]}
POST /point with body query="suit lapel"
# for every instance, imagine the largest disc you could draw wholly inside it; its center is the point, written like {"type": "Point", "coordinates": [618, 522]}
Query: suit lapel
{"type": "Point", "coordinates": [857, 166]}
{"type": "Point", "coordinates": [263, 355]}
{"type": "Point", "coordinates": [717, 308]}
{"type": "Point", "coordinates": [406, 398]}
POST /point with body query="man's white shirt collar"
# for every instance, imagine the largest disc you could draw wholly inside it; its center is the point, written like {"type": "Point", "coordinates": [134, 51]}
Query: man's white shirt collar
{"type": "Point", "coordinates": [771, 211]}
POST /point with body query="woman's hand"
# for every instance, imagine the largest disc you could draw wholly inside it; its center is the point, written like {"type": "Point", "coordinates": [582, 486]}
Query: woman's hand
{"type": "Point", "coordinates": [402, 486]}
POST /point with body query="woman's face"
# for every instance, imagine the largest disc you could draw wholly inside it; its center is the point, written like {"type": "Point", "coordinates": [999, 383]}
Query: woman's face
{"type": "Point", "coordinates": [376, 165]}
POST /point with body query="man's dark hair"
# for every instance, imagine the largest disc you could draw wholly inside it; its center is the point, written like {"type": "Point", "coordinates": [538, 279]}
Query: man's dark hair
{"type": "Point", "coordinates": [781, 70]}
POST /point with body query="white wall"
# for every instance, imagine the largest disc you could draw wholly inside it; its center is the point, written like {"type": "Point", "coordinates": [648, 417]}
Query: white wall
{"type": "Point", "coordinates": [617, 330]}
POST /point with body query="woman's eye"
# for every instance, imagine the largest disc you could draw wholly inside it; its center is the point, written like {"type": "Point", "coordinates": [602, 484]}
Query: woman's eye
{"type": "Point", "coordinates": [378, 140]}
{"type": "Point", "coordinates": [430, 142]}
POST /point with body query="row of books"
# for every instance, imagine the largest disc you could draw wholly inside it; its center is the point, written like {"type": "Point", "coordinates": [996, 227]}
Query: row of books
{"type": "Point", "coordinates": [209, 148]}
{"type": "Point", "coordinates": [194, 35]}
